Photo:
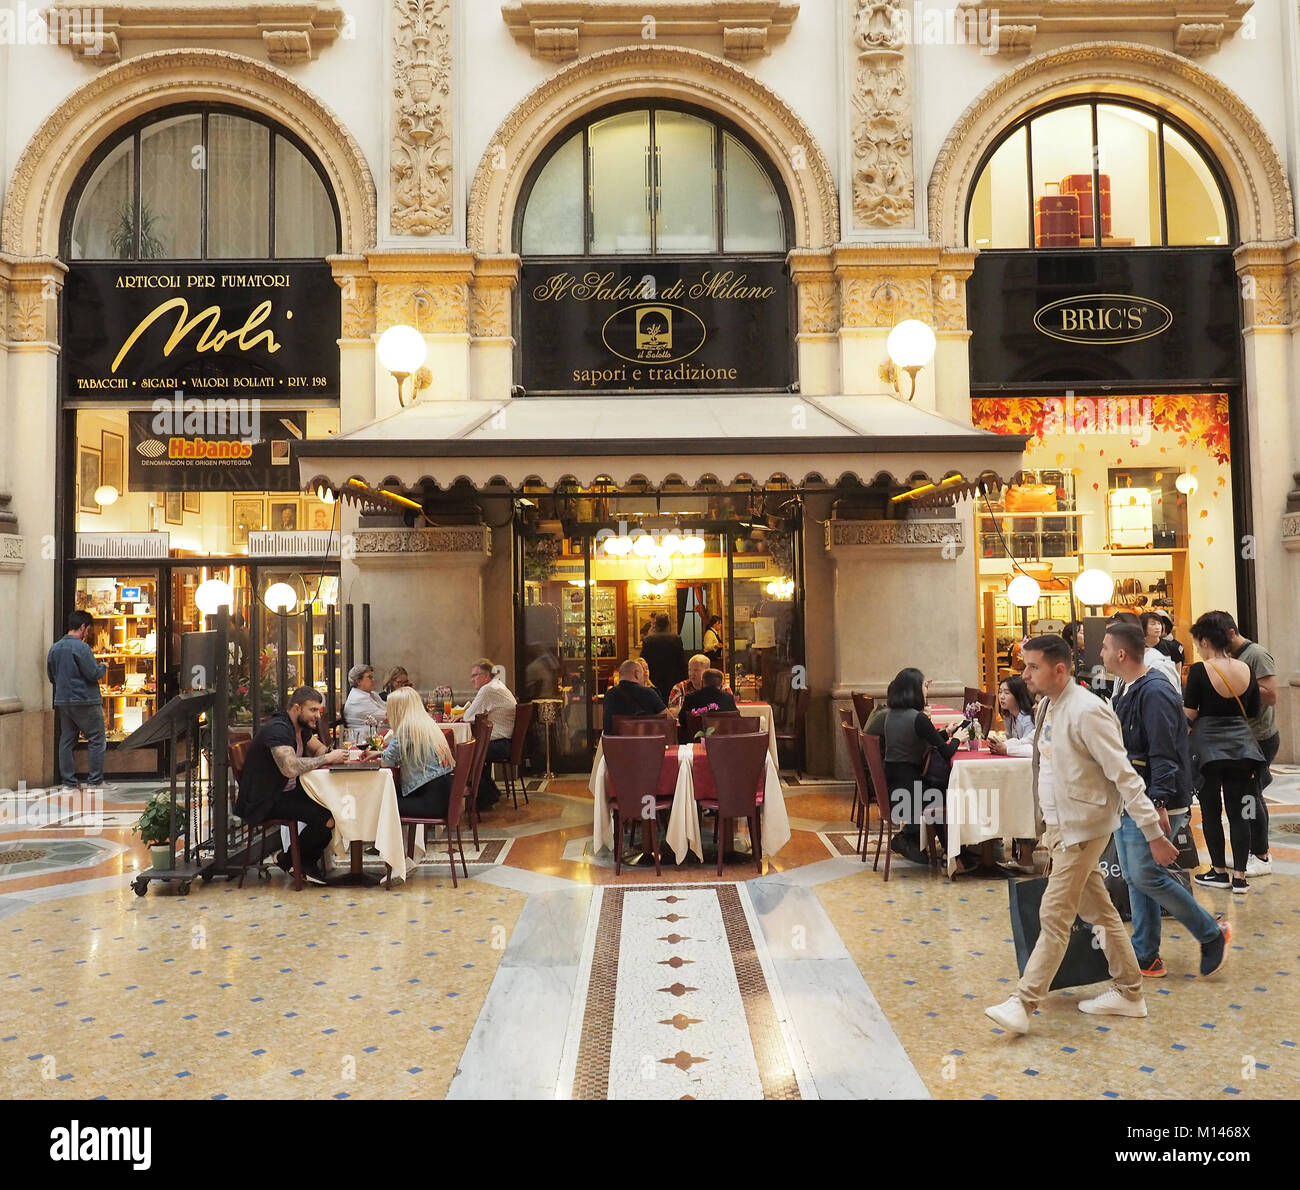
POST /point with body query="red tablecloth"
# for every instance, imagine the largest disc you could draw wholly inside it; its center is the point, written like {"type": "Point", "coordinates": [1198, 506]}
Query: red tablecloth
{"type": "Point", "coordinates": [701, 774]}
{"type": "Point", "coordinates": [982, 753]}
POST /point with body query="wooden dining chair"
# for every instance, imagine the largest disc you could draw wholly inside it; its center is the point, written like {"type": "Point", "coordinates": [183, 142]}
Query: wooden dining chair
{"type": "Point", "coordinates": [732, 723]}
{"type": "Point", "coordinates": [455, 808]}
{"type": "Point", "coordinates": [863, 706]}
{"type": "Point", "coordinates": [791, 733]}
{"type": "Point", "coordinates": [739, 765]}
{"type": "Point", "coordinates": [846, 716]}
{"type": "Point", "coordinates": [518, 739]}
{"type": "Point", "coordinates": [644, 725]}
{"type": "Point", "coordinates": [482, 730]}
{"type": "Point", "coordinates": [986, 702]}
{"type": "Point", "coordinates": [861, 784]}
{"type": "Point", "coordinates": [632, 767]}
{"type": "Point", "coordinates": [236, 756]}
{"type": "Point", "coordinates": [873, 751]}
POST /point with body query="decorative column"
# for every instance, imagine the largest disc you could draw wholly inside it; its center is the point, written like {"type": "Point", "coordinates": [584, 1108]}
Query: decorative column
{"type": "Point", "coordinates": [881, 567]}
{"type": "Point", "coordinates": [30, 289]}
{"type": "Point", "coordinates": [492, 342]}
{"type": "Point", "coordinates": [399, 572]}
{"type": "Point", "coordinates": [817, 293]}
{"type": "Point", "coordinates": [881, 202]}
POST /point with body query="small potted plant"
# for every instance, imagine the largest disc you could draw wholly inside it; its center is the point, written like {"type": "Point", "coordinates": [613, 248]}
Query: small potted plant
{"type": "Point", "coordinates": [154, 829]}
{"type": "Point", "coordinates": [699, 713]}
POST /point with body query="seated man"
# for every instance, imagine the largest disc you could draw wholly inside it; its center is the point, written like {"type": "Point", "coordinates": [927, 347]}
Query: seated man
{"type": "Point", "coordinates": [630, 697]}
{"type": "Point", "coordinates": [495, 701]}
{"type": "Point", "coordinates": [710, 697]}
{"type": "Point", "coordinates": [282, 751]}
{"type": "Point", "coordinates": [695, 668]}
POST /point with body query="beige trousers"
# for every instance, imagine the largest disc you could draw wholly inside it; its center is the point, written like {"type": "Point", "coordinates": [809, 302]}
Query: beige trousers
{"type": "Point", "coordinates": [1075, 886]}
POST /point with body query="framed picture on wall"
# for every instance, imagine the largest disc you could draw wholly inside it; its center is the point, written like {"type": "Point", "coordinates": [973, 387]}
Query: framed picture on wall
{"type": "Point", "coordinates": [283, 517]}
{"type": "Point", "coordinates": [89, 477]}
{"type": "Point", "coordinates": [190, 502]}
{"type": "Point", "coordinates": [112, 462]}
{"type": "Point", "coordinates": [173, 509]}
{"type": "Point", "coordinates": [245, 518]}
{"type": "Point", "coordinates": [318, 516]}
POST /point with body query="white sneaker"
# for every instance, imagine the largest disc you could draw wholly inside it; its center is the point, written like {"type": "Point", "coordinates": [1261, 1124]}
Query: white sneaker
{"type": "Point", "coordinates": [1259, 867]}
{"type": "Point", "coordinates": [1113, 1003]}
{"type": "Point", "coordinates": [1010, 1015]}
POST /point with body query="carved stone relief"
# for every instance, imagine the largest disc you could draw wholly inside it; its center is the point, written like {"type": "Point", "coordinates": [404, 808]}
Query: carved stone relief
{"type": "Point", "coordinates": [421, 152]}
{"type": "Point", "coordinates": [884, 182]}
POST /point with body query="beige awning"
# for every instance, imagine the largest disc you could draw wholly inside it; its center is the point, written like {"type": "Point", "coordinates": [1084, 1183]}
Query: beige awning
{"type": "Point", "coordinates": [761, 439]}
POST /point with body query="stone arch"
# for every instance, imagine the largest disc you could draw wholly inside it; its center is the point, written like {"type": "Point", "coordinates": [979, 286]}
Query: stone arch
{"type": "Point", "coordinates": [646, 73]}
{"type": "Point", "coordinates": [1256, 177]}
{"type": "Point", "coordinates": [49, 165]}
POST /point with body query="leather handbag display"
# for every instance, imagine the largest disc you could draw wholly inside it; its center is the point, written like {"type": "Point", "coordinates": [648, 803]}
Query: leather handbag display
{"type": "Point", "coordinates": [1031, 497]}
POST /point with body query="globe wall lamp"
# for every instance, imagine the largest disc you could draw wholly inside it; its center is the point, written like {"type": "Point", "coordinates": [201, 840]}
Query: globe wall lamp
{"type": "Point", "coordinates": [911, 346]}
{"type": "Point", "coordinates": [1024, 592]}
{"type": "Point", "coordinates": [402, 351]}
{"type": "Point", "coordinates": [282, 599]}
{"type": "Point", "coordinates": [1094, 588]}
{"type": "Point", "coordinates": [1185, 483]}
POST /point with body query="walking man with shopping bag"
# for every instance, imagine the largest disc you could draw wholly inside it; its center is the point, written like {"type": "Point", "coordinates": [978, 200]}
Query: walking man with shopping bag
{"type": "Point", "coordinates": [1082, 779]}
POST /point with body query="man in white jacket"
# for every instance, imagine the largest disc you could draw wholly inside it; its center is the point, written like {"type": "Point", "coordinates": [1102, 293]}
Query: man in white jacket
{"type": "Point", "coordinates": [1082, 778]}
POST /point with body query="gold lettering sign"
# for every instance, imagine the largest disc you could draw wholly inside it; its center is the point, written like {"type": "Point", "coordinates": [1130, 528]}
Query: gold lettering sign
{"type": "Point", "coordinates": [1103, 318]}
{"type": "Point", "coordinates": [211, 337]}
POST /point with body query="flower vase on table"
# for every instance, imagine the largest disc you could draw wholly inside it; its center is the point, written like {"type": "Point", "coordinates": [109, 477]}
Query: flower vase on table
{"type": "Point", "coordinates": [973, 714]}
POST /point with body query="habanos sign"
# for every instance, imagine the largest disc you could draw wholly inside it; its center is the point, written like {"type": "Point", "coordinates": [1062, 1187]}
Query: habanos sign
{"type": "Point", "coordinates": [1103, 318]}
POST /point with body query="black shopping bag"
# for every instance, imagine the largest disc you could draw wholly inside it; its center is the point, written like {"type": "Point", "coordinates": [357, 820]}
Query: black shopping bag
{"type": "Point", "coordinates": [1117, 886]}
{"type": "Point", "coordinates": [1084, 961]}
{"type": "Point", "coordinates": [1189, 859]}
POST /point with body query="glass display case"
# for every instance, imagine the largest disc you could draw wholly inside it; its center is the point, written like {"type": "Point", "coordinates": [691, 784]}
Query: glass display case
{"type": "Point", "coordinates": [125, 639]}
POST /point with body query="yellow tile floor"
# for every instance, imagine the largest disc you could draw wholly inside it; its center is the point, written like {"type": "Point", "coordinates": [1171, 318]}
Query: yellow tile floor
{"type": "Point", "coordinates": [936, 954]}
{"type": "Point", "coordinates": [261, 992]}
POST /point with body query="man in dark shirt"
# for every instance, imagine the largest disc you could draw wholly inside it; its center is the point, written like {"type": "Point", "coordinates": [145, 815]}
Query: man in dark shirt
{"type": "Point", "coordinates": [1155, 738]}
{"type": "Point", "coordinates": [282, 751]}
{"type": "Point", "coordinates": [75, 675]}
{"type": "Point", "coordinates": [629, 697]}
{"type": "Point", "coordinates": [710, 694]}
{"type": "Point", "coordinates": [664, 653]}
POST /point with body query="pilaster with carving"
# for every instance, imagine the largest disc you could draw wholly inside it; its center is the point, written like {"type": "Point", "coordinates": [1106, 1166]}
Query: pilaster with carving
{"type": "Point", "coordinates": [813, 274]}
{"type": "Point", "coordinates": [884, 182]}
{"type": "Point", "coordinates": [421, 150]}
{"type": "Point", "coordinates": [490, 306]}
{"type": "Point", "coordinates": [948, 286]}
{"type": "Point", "coordinates": [357, 294]}
{"type": "Point", "coordinates": [1265, 284]}
{"type": "Point", "coordinates": [29, 298]}
{"type": "Point", "coordinates": [882, 284]}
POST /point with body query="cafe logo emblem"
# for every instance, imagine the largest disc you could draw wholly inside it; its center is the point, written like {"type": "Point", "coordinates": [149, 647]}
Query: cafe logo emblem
{"type": "Point", "coordinates": [1096, 318]}
{"type": "Point", "coordinates": [662, 333]}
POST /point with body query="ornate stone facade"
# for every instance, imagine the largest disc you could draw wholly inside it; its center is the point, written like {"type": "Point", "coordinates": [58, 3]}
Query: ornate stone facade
{"type": "Point", "coordinates": [43, 178]}
{"type": "Point", "coordinates": [420, 168]}
{"type": "Point", "coordinates": [29, 299]}
{"type": "Point", "coordinates": [467, 539]}
{"type": "Point", "coordinates": [1254, 169]}
{"type": "Point", "coordinates": [1199, 26]}
{"type": "Point", "coordinates": [927, 534]}
{"type": "Point", "coordinates": [293, 31]}
{"type": "Point", "coordinates": [1268, 274]}
{"type": "Point", "coordinates": [884, 181]}
{"type": "Point", "coordinates": [670, 73]}
{"type": "Point", "coordinates": [739, 29]}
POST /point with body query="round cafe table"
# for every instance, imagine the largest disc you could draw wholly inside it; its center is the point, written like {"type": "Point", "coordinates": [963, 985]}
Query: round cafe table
{"type": "Point", "coordinates": [363, 800]}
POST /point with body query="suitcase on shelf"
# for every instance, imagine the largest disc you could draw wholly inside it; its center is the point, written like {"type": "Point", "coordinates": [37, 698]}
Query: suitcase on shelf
{"type": "Point", "coordinates": [1056, 221]}
{"type": "Point", "coordinates": [1080, 185]}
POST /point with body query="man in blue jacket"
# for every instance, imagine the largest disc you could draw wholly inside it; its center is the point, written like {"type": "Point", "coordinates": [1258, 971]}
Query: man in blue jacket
{"type": "Point", "coordinates": [75, 673]}
{"type": "Point", "coordinates": [1155, 737]}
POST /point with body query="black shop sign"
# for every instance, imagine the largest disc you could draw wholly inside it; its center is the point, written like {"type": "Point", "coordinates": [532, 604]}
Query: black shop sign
{"type": "Point", "coordinates": [1104, 317]}
{"type": "Point", "coordinates": [195, 444]}
{"type": "Point", "coordinates": [655, 326]}
{"type": "Point", "coordinates": [141, 330]}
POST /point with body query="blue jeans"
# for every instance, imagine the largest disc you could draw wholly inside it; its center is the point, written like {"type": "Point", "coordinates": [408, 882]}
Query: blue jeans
{"type": "Point", "coordinates": [86, 719]}
{"type": "Point", "coordinates": [1151, 886]}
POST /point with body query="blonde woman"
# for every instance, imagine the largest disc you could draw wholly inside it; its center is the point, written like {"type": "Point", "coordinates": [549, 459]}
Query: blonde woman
{"type": "Point", "coordinates": [419, 747]}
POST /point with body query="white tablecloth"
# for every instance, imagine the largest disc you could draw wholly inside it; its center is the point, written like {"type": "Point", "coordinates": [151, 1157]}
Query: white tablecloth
{"type": "Point", "coordinates": [989, 797]}
{"type": "Point", "coordinates": [364, 805]}
{"type": "Point", "coordinates": [460, 730]}
{"type": "Point", "coordinates": [762, 711]}
{"type": "Point", "coordinates": [683, 831]}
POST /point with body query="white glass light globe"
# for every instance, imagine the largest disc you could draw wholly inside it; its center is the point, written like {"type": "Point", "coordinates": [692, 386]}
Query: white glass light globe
{"type": "Point", "coordinates": [670, 543]}
{"type": "Point", "coordinates": [911, 344]}
{"type": "Point", "coordinates": [105, 495]}
{"type": "Point", "coordinates": [1185, 483]}
{"type": "Point", "coordinates": [1023, 591]}
{"type": "Point", "coordinates": [402, 349]}
{"type": "Point", "coordinates": [618, 547]}
{"type": "Point", "coordinates": [280, 597]}
{"type": "Point", "coordinates": [644, 546]}
{"type": "Point", "coordinates": [694, 544]}
{"type": "Point", "coordinates": [325, 495]}
{"type": "Point", "coordinates": [1094, 587]}
{"type": "Point", "coordinates": [213, 594]}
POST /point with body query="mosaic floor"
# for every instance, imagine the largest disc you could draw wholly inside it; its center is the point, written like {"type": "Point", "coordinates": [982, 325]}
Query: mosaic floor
{"type": "Point", "coordinates": [545, 976]}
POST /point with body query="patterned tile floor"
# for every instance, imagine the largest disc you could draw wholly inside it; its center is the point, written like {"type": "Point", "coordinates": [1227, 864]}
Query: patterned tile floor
{"type": "Point", "coordinates": [374, 994]}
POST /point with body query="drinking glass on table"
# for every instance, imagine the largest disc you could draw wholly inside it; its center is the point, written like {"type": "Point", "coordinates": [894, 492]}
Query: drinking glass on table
{"type": "Point", "coordinates": [446, 706]}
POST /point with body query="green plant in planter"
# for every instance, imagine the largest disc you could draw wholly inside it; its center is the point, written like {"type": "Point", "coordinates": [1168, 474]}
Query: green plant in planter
{"type": "Point", "coordinates": [154, 829]}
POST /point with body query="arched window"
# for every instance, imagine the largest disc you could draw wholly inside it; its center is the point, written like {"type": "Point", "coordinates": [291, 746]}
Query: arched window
{"type": "Point", "coordinates": [1100, 174]}
{"type": "Point", "coordinates": [201, 183]}
{"type": "Point", "coordinates": [652, 181]}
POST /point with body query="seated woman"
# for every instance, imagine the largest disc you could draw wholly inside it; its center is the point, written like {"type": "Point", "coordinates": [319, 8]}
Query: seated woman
{"type": "Point", "coordinates": [710, 697]}
{"type": "Point", "coordinates": [418, 746]}
{"type": "Point", "coordinates": [396, 680]}
{"type": "Point", "coordinates": [363, 704]}
{"type": "Point", "coordinates": [909, 731]}
{"type": "Point", "coordinates": [1016, 706]}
